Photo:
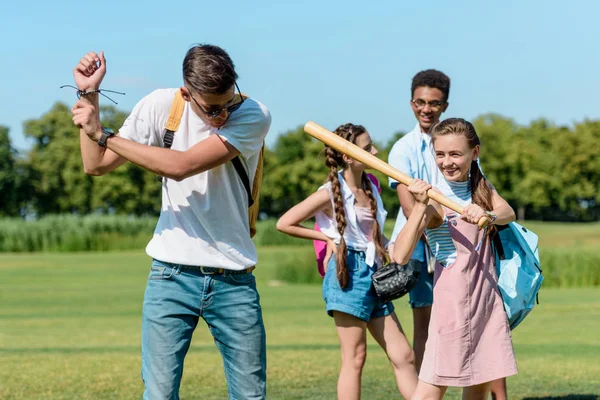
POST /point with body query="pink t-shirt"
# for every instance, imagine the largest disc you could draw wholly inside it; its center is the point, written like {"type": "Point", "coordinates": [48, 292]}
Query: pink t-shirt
{"type": "Point", "coordinates": [321, 247]}
{"type": "Point", "coordinates": [365, 220]}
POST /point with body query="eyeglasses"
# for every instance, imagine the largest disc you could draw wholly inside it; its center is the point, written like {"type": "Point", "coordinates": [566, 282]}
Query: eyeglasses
{"type": "Point", "coordinates": [433, 104]}
{"type": "Point", "coordinates": [216, 113]}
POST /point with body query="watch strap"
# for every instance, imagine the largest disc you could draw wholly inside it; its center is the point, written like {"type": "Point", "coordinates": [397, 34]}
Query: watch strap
{"type": "Point", "coordinates": [491, 216]}
{"type": "Point", "coordinates": [106, 133]}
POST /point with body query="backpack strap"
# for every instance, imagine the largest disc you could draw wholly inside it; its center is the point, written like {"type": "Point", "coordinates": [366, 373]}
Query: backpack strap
{"type": "Point", "coordinates": [175, 114]}
{"type": "Point", "coordinates": [239, 168]}
{"type": "Point", "coordinates": [237, 164]}
{"type": "Point", "coordinates": [498, 243]}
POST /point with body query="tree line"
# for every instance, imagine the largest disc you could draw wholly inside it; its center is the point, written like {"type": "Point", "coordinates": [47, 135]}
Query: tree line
{"type": "Point", "coordinates": [545, 171]}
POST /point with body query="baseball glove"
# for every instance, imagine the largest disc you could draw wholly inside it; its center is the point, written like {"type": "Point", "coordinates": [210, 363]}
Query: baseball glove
{"type": "Point", "coordinates": [393, 280]}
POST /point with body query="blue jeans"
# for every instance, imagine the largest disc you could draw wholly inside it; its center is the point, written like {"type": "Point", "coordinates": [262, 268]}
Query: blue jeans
{"type": "Point", "coordinates": [422, 294]}
{"type": "Point", "coordinates": [175, 298]}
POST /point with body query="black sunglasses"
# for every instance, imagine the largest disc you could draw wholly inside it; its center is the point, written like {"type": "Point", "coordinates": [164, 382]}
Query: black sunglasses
{"type": "Point", "coordinates": [216, 113]}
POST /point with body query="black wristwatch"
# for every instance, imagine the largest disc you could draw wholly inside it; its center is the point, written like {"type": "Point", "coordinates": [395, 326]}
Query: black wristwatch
{"type": "Point", "coordinates": [106, 133]}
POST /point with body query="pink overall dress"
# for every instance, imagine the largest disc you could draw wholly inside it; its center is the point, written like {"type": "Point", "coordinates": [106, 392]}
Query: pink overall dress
{"type": "Point", "coordinates": [469, 339]}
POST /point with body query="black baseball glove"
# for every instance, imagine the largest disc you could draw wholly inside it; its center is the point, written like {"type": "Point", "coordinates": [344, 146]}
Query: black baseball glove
{"type": "Point", "coordinates": [393, 280]}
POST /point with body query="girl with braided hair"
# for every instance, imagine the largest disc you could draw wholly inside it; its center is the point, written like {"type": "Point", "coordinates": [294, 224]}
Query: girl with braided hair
{"type": "Point", "coordinates": [469, 343]}
{"type": "Point", "coordinates": [350, 215]}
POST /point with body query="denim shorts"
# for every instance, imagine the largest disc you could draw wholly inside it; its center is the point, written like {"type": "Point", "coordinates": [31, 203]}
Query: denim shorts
{"type": "Point", "coordinates": [358, 298]}
{"type": "Point", "coordinates": [422, 294]}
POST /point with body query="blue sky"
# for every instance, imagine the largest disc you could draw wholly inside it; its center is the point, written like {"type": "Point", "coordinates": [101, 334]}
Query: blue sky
{"type": "Point", "coordinates": [327, 61]}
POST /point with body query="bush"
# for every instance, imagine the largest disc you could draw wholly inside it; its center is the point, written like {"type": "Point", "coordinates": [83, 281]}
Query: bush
{"type": "Point", "coordinates": [68, 233]}
{"type": "Point", "coordinates": [268, 235]}
{"type": "Point", "coordinates": [298, 268]}
{"type": "Point", "coordinates": [568, 251]}
{"type": "Point", "coordinates": [561, 267]}
{"type": "Point", "coordinates": [570, 267]}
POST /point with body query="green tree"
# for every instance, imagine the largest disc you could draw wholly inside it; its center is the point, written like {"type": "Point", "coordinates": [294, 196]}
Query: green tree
{"type": "Point", "coordinates": [577, 172]}
{"type": "Point", "coordinates": [534, 163]}
{"type": "Point", "coordinates": [497, 159]}
{"type": "Point", "coordinates": [129, 189]}
{"type": "Point", "coordinates": [59, 184]}
{"type": "Point", "coordinates": [9, 184]}
{"type": "Point", "coordinates": [545, 171]}
{"type": "Point", "coordinates": [293, 170]}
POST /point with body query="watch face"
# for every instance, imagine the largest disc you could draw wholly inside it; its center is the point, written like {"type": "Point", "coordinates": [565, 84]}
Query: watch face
{"type": "Point", "coordinates": [108, 131]}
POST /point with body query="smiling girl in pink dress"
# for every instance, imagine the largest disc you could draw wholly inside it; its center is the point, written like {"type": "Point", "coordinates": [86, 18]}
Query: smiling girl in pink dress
{"type": "Point", "coordinates": [469, 342]}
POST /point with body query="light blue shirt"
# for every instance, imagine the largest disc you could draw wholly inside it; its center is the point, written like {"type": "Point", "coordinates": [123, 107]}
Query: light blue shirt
{"type": "Point", "coordinates": [413, 155]}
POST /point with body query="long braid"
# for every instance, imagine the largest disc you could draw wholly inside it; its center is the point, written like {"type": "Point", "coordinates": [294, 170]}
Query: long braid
{"type": "Point", "coordinates": [340, 215]}
{"type": "Point", "coordinates": [335, 160]}
{"type": "Point", "coordinates": [377, 237]}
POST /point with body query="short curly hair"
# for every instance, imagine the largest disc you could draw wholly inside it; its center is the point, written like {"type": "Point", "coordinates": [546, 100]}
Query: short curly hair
{"type": "Point", "coordinates": [431, 78]}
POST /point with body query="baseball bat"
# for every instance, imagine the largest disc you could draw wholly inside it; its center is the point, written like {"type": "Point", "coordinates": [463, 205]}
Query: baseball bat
{"type": "Point", "coordinates": [353, 151]}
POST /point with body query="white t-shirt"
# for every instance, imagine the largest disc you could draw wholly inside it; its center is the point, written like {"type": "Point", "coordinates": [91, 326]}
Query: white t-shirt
{"type": "Point", "coordinates": [204, 218]}
{"type": "Point", "coordinates": [353, 236]}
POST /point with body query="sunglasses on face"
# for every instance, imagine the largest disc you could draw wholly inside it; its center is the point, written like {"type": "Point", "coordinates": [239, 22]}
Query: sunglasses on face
{"type": "Point", "coordinates": [215, 113]}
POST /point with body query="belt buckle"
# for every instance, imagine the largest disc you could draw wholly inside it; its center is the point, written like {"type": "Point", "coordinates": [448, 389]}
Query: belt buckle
{"type": "Point", "coordinates": [207, 272]}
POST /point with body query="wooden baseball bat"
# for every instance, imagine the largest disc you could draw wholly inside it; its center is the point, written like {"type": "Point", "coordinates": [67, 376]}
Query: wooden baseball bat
{"type": "Point", "coordinates": [353, 151]}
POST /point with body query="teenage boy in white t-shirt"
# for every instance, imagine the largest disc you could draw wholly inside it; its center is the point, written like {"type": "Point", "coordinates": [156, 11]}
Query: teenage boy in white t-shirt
{"type": "Point", "coordinates": [202, 253]}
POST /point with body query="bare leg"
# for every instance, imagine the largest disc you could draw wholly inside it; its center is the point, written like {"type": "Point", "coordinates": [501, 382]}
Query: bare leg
{"type": "Point", "coordinates": [388, 332]}
{"type": "Point", "coordinates": [421, 316]}
{"type": "Point", "coordinates": [478, 392]}
{"type": "Point", "coordinates": [498, 388]}
{"type": "Point", "coordinates": [426, 391]}
{"type": "Point", "coordinates": [353, 340]}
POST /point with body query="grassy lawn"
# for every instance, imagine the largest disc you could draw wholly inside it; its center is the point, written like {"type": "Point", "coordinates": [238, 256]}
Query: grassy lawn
{"type": "Point", "coordinates": [560, 234]}
{"type": "Point", "coordinates": [70, 329]}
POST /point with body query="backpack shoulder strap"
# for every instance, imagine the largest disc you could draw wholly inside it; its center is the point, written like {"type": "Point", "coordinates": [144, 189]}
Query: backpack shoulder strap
{"type": "Point", "coordinates": [257, 181]}
{"type": "Point", "coordinates": [174, 119]}
{"type": "Point", "coordinates": [252, 193]}
{"type": "Point", "coordinates": [237, 164]}
{"type": "Point", "coordinates": [497, 243]}
{"type": "Point", "coordinates": [175, 114]}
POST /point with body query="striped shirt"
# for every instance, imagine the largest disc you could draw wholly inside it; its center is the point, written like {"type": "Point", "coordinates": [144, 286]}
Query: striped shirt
{"type": "Point", "coordinates": [440, 240]}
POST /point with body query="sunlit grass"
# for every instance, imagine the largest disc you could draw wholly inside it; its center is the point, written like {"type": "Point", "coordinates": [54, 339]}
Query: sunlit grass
{"type": "Point", "coordinates": [70, 329]}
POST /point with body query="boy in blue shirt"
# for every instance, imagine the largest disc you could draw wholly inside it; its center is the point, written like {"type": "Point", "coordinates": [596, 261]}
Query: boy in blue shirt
{"type": "Point", "coordinates": [412, 154]}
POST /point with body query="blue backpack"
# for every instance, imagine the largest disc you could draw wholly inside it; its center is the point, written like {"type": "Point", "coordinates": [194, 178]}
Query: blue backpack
{"type": "Point", "coordinates": [518, 266]}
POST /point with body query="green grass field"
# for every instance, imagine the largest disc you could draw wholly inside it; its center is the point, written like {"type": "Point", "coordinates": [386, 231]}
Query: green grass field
{"type": "Point", "coordinates": [70, 329]}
